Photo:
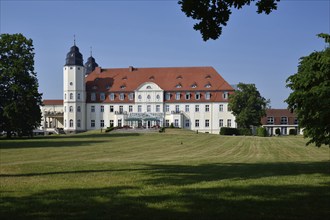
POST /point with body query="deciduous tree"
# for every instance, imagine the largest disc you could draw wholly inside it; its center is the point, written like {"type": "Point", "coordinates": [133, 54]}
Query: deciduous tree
{"type": "Point", "coordinates": [214, 14]}
{"type": "Point", "coordinates": [19, 96]}
{"type": "Point", "coordinates": [310, 97]}
{"type": "Point", "coordinates": [247, 105]}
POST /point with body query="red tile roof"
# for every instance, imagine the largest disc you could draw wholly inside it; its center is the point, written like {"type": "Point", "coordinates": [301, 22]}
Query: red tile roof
{"type": "Point", "coordinates": [170, 79]}
{"type": "Point", "coordinates": [277, 114]}
{"type": "Point", "coordinates": [52, 102]}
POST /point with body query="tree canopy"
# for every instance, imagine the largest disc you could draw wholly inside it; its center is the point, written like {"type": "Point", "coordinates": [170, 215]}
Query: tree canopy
{"type": "Point", "coordinates": [247, 105]}
{"type": "Point", "coordinates": [19, 96]}
{"type": "Point", "coordinates": [214, 14]}
{"type": "Point", "coordinates": [310, 97]}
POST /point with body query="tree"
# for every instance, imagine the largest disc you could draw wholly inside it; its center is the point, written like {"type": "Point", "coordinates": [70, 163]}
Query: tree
{"type": "Point", "coordinates": [19, 97]}
{"type": "Point", "coordinates": [214, 14]}
{"type": "Point", "coordinates": [310, 97]}
{"type": "Point", "coordinates": [247, 105]}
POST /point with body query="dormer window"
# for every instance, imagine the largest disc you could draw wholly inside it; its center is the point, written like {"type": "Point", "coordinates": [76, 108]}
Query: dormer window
{"type": "Point", "coordinates": [207, 95]}
{"type": "Point", "coordinates": [179, 77]}
{"type": "Point", "coordinates": [197, 95]}
{"type": "Point", "coordinates": [102, 96]}
{"type": "Point", "coordinates": [194, 85]}
{"type": "Point", "coordinates": [178, 86]}
{"type": "Point", "coordinates": [124, 78]}
{"type": "Point", "coordinates": [177, 96]}
{"type": "Point", "coordinates": [225, 95]}
{"type": "Point", "coordinates": [93, 96]}
{"type": "Point", "coordinates": [121, 96]}
{"type": "Point", "coordinates": [131, 96]}
{"type": "Point", "coordinates": [123, 86]}
{"type": "Point", "coordinates": [207, 77]}
{"type": "Point", "coordinates": [168, 96]}
{"type": "Point", "coordinates": [107, 87]}
{"type": "Point", "coordinates": [187, 95]}
{"type": "Point", "coordinates": [112, 96]}
{"type": "Point", "coordinates": [151, 77]}
{"type": "Point", "coordinates": [208, 85]}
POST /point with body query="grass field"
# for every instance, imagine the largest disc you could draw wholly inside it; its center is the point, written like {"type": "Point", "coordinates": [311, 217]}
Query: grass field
{"type": "Point", "coordinates": [173, 175]}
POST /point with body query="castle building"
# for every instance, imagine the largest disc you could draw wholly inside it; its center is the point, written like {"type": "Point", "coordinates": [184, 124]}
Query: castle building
{"type": "Point", "coordinates": [194, 98]}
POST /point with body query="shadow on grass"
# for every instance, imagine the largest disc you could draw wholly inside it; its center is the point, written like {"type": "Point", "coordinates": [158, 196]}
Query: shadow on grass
{"type": "Point", "coordinates": [60, 140]}
{"type": "Point", "coordinates": [166, 193]}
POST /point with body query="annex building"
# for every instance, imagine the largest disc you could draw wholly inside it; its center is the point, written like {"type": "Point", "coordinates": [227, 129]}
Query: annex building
{"type": "Point", "coordinates": [194, 98]}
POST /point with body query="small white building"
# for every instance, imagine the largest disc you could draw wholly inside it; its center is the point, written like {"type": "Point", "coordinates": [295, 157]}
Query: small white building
{"type": "Point", "coordinates": [194, 98]}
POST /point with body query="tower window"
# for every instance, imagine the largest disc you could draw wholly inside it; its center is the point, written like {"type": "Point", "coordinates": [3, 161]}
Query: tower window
{"type": "Point", "coordinates": [71, 109]}
{"type": "Point", "coordinates": [71, 123]}
{"type": "Point", "coordinates": [71, 95]}
{"type": "Point", "coordinates": [78, 96]}
{"type": "Point", "coordinates": [71, 83]}
{"type": "Point", "coordinates": [78, 109]}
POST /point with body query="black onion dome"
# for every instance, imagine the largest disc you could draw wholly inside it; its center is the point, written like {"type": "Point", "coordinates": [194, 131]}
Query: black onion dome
{"type": "Point", "coordinates": [74, 57]}
{"type": "Point", "coordinates": [90, 65]}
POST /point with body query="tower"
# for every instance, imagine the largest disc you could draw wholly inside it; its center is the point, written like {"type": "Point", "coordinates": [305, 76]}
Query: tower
{"type": "Point", "coordinates": [90, 65]}
{"type": "Point", "coordinates": [74, 89]}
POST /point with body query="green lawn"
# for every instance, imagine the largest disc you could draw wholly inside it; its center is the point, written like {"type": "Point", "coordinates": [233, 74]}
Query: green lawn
{"type": "Point", "coordinates": [173, 175]}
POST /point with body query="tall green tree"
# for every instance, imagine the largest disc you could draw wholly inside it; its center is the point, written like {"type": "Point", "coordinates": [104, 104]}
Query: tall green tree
{"type": "Point", "coordinates": [310, 97]}
{"type": "Point", "coordinates": [19, 96]}
{"type": "Point", "coordinates": [214, 14]}
{"type": "Point", "coordinates": [247, 105]}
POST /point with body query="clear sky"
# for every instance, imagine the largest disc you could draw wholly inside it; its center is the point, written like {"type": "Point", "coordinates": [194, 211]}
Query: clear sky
{"type": "Point", "coordinates": [259, 49]}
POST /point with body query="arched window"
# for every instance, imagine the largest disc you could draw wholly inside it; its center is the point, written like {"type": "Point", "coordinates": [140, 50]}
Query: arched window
{"type": "Point", "coordinates": [78, 96]}
{"type": "Point", "coordinates": [78, 123]}
{"type": "Point", "coordinates": [64, 95]}
{"type": "Point", "coordinates": [78, 109]}
{"type": "Point", "coordinates": [71, 123]}
{"type": "Point", "coordinates": [71, 95]}
{"type": "Point", "coordinates": [71, 109]}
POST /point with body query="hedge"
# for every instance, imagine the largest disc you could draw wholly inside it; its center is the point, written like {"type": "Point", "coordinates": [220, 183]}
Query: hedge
{"type": "Point", "coordinates": [229, 131]}
{"type": "Point", "coordinates": [261, 132]}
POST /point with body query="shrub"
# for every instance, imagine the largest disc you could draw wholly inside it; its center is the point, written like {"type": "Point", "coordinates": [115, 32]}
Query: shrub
{"type": "Point", "coordinates": [171, 126]}
{"type": "Point", "coordinates": [277, 131]}
{"type": "Point", "coordinates": [108, 129]}
{"type": "Point", "coordinates": [229, 131]}
{"type": "Point", "coordinates": [261, 132]}
{"type": "Point", "coordinates": [245, 131]}
{"type": "Point", "coordinates": [292, 131]}
{"type": "Point", "coordinates": [162, 129]}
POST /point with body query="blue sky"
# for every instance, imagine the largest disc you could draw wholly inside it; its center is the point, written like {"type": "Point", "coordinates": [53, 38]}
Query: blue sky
{"type": "Point", "coordinates": [259, 49]}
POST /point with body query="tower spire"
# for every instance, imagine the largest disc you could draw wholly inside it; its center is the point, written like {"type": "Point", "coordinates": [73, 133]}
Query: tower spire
{"type": "Point", "coordinates": [91, 51]}
{"type": "Point", "coordinates": [74, 40]}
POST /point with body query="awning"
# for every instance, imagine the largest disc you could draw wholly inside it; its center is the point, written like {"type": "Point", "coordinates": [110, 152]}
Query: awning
{"type": "Point", "coordinates": [133, 119]}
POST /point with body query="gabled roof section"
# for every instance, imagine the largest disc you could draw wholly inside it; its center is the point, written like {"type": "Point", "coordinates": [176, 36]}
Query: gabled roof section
{"type": "Point", "coordinates": [167, 78]}
{"type": "Point", "coordinates": [52, 102]}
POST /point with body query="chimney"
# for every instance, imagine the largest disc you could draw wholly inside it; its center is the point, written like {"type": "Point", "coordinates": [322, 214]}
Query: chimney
{"type": "Point", "coordinates": [131, 68]}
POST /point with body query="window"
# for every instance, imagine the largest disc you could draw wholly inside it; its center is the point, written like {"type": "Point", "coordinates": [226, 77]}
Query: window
{"type": "Point", "coordinates": [111, 108]}
{"type": "Point", "coordinates": [123, 86]}
{"type": "Point", "coordinates": [186, 108]}
{"type": "Point", "coordinates": [112, 96]}
{"type": "Point", "coordinates": [176, 123]}
{"type": "Point", "coordinates": [93, 123]}
{"type": "Point", "coordinates": [92, 108]}
{"type": "Point", "coordinates": [71, 123]}
{"type": "Point", "coordinates": [148, 87]}
{"type": "Point", "coordinates": [196, 123]}
{"type": "Point", "coordinates": [229, 123]}
{"type": "Point", "coordinates": [284, 120]}
{"type": "Point", "coordinates": [78, 123]}
{"type": "Point", "coordinates": [187, 95]}
{"type": "Point", "coordinates": [207, 108]}
{"type": "Point", "coordinates": [119, 123]}
{"type": "Point", "coordinates": [139, 108]}
{"type": "Point", "coordinates": [196, 108]}
{"type": "Point", "coordinates": [102, 123]}
{"type": "Point", "coordinates": [121, 109]}
{"type": "Point", "coordinates": [168, 96]}
{"type": "Point", "coordinates": [148, 108]}
{"type": "Point", "coordinates": [71, 109]}
{"type": "Point", "coordinates": [64, 123]}
{"type": "Point", "coordinates": [157, 97]}
{"type": "Point", "coordinates": [93, 96]}
{"type": "Point", "coordinates": [167, 123]}
{"type": "Point", "coordinates": [167, 108]}
{"type": "Point", "coordinates": [295, 121]}
{"type": "Point", "coordinates": [121, 96]}
{"type": "Point", "coordinates": [225, 95]}
{"type": "Point", "coordinates": [220, 123]}
{"type": "Point", "coordinates": [71, 95]}
{"type": "Point", "coordinates": [139, 97]}
{"type": "Point", "coordinates": [194, 85]}
{"type": "Point", "coordinates": [207, 95]}
{"type": "Point", "coordinates": [177, 108]}
{"type": "Point", "coordinates": [64, 95]}
{"type": "Point", "coordinates": [130, 108]}
{"type": "Point", "coordinates": [221, 108]}
{"type": "Point", "coordinates": [178, 86]}
{"type": "Point", "coordinates": [270, 120]}
{"type": "Point", "coordinates": [131, 96]}
{"type": "Point", "coordinates": [102, 108]}
{"type": "Point", "coordinates": [111, 123]}
{"type": "Point", "coordinates": [102, 96]}
{"type": "Point", "coordinates": [228, 108]}
{"type": "Point", "coordinates": [148, 97]}
{"type": "Point", "coordinates": [187, 123]}
{"type": "Point", "coordinates": [157, 108]}
{"type": "Point", "coordinates": [197, 95]}
{"type": "Point", "coordinates": [207, 123]}
{"type": "Point", "coordinates": [208, 85]}
{"type": "Point", "coordinates": [78, 96]}
{"type": "Point", "coordinates": [177, 96]}
{"type": "Point", "coordinates": [78, 109]}
{"type": "Point", "coordinates": [64, 108]}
